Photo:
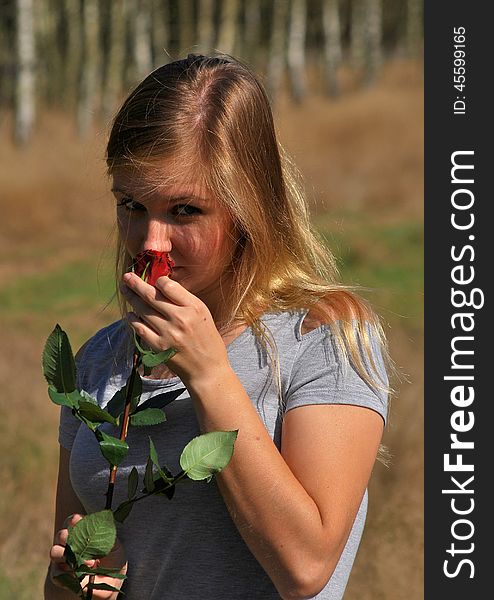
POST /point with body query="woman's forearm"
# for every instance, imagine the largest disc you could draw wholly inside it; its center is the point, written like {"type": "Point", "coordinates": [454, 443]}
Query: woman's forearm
{"type": "Point", "coordinates": [275, 515]}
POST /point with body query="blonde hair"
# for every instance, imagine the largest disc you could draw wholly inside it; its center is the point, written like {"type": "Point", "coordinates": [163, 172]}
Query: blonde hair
{"type": "Point", "coordinates": [214, 112]}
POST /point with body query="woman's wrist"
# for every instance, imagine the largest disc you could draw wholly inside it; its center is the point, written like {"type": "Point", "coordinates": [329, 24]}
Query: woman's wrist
{"type": "Point", "coordinates": [214, 378]}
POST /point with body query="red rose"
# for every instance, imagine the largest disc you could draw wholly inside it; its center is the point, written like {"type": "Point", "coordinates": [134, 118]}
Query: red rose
{"type": "Point", "coordinates": [152, 264]}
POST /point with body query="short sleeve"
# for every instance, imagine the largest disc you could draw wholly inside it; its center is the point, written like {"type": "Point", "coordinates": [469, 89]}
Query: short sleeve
{"type": "Point", "coordinates": [321, 375]}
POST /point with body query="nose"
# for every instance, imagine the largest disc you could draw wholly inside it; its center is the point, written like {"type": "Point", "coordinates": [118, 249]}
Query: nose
{"type": "Point", "coordinates": [157, 235]}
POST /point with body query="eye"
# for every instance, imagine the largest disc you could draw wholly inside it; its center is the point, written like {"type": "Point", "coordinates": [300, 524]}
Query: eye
{"type": "Point", "coordinates": [130, 205]}
{"type": "Point", "coordinates": [185, 210]}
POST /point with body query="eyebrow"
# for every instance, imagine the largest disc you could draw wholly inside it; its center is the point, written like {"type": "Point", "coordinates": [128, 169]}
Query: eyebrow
{"type": "Point", "coordinates": [179, 197]}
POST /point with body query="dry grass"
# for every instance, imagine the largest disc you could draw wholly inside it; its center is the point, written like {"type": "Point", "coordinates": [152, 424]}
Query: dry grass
{"type": "Point", "coordinates": [361, 154]}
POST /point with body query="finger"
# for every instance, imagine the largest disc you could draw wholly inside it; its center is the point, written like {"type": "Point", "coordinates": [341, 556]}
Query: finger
{"type": "Point", "coordinates": [149, 308]}
{"type": "Point", "coordinates": [57, 554]}
{"type": "Point", "coordinates": [174, 292]}
{"type": "Point", "coordinates": [61, 537]}
{"type": "Point", "coordinates": [71, 520]}
{"type": "Point", "coordinates": [147, 333]}
{"type": "Point", "coordinates": [57, 559]}
{"type": "Point", "coordinates": [167, 289]}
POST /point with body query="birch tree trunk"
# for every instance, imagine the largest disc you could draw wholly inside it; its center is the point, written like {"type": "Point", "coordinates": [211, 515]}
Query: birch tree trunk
{"type": "Point", "coordinates": [25, 102]}
{"type": "Point", "coordinates": [91, 75]}
{"type": "Point", "coordinates": [276, 64]}
{"type": "Point", "coordinates": [142, 39]}
{"type": "Point", "coordinates": [115, 60]}
{"type": "Point", "coordinates": [296, 49]}
{"type": "Point", "coordinates": [332, 45]}
{"type": "Point", "coordinates": [205, 26]}
{"type": "Point", "coordinates": [160, 31]}
{"type": "Point", "coordinates": [228, 26]}
{"type": "Point", "coordinates": [373, 60]}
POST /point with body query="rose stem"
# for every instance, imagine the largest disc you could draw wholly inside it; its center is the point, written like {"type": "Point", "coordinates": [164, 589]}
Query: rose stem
{"type": "Point", "coordinates": [123, 434]}
{"type": "Point", "coordinates": [123, 429]}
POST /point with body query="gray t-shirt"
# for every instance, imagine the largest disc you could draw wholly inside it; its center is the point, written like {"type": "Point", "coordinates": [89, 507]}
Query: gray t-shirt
{"type": "Point", "coordinates": [189, 547]}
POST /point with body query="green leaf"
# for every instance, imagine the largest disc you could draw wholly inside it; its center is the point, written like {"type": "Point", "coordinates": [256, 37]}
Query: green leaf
{"type": "Point", "coordinates": [136, 391]}
{"type": "Point", "coordinates": [151, 359]}
{"type": "Point", "coordinates": [153, 455]}
{"type": "Point", "coordinates": [58, 361]}
{"type": "Point", "coordinates": [69, 582]}
{"type": "Point", "coordinates": [123, 511]}
{"type": "Point", "coordinates": [94, 413]}
{"type": "Point", "coordinates": [149, 416]}
{"type": "Point", "coordinates": [88, 397]}
{"type": "Point", "coordinates": [167, 477]}
{"type": "Point", "coordinates": [92, 426]}
{"type": "Point", "coordinates": [70, 557]}
{"type": "Point", "coordinates": [207, 454]}
{"type": "Point", "coordinates": [117, 403]}
{"type": "Point", "coordinates": [113, 449]}
{"type": "Point", "coordinates": [70, 399]}
{"type": "Point", "coordinates": [100, 571]}
{"type": "Point", "coordinates": [149, 476]}
{"type": "Point", "coordinates": [132, 483]}
{"type": "Point", "coordinates": [160, 400]}
{"type": "Point", "coordinates": [93, 536]}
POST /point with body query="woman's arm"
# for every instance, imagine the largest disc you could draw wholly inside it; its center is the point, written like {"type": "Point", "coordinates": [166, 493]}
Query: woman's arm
{"type": "Point", "coordinates": [294, 510]}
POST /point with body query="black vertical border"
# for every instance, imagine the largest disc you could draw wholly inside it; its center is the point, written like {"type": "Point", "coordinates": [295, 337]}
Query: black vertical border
{"type": "Point", "coordinates": [446, 133]}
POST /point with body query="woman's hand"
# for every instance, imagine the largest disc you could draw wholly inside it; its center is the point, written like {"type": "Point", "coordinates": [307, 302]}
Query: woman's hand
{"type": "Point", "coordinates": [169, 316]}
{"type": "Point", "coordinates": [116, 559]}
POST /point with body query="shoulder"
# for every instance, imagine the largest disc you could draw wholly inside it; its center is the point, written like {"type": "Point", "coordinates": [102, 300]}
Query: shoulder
{"type": "Point", "coordinates": [107, 336]}
{"type": "Point", "coordinates": [337, 306]}
{"type": "Point", "coordinates": [106, 348]}
{"type": "Point", "coordinates": [339, 358]}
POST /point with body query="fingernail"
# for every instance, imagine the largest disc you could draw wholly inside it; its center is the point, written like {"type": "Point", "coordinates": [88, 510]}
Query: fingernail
{"type": "Point", "coordinates": [127, 276]}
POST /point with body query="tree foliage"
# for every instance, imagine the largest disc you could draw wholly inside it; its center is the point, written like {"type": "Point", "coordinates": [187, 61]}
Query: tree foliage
{"type": "Point", "coordinates": [88, 54]}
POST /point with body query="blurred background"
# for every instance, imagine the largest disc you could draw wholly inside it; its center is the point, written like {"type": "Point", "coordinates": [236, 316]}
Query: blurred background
{"type": "Point", "coordinates": [346, 82]}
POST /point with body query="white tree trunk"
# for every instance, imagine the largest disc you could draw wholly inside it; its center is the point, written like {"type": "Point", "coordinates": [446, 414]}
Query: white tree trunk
{"type": "Point", "coordinates": [332, 45]}
{"type": "Point", "coordinates": [91, 73]}
{"type": "Point", "coordinates": [25, 106]}
{"type": "Point", "coordinates": [142, 39]}
{"type": "Point", "coordinates": [296, 49]}
{"type": "Point", "coordinates": [374, 39]}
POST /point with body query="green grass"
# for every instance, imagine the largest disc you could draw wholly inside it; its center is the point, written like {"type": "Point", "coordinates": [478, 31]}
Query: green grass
{"type": "Point", "coordinates": [386, 259]}
{"type": "Point", "coordinates": [74, 294]}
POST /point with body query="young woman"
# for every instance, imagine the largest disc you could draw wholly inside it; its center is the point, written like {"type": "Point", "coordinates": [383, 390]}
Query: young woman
{"type": "Point", "coordinates": [268, 342]}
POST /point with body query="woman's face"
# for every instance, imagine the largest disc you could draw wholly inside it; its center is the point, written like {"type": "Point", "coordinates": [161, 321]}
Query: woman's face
{"type": "Point", "coordinates": [179, 217]}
